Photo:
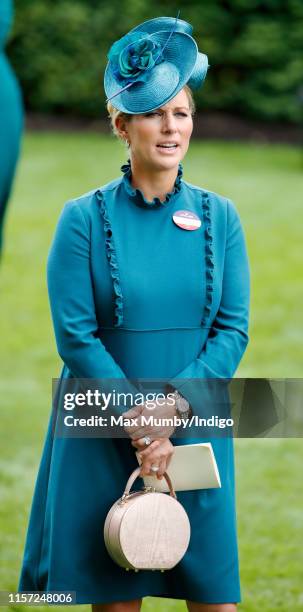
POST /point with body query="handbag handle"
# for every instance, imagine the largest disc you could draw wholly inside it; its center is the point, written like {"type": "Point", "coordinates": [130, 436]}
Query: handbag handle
{"type": "Point", "coordinates": [134, 475]}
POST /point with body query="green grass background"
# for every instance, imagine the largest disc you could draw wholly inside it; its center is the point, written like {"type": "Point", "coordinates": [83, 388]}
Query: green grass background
{"type": "Point", "coordinates": [266, 184]}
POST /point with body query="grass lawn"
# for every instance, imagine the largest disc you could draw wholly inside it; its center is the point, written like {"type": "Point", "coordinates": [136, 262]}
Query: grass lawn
{"type": "Point", "coordinates": [266, 184]}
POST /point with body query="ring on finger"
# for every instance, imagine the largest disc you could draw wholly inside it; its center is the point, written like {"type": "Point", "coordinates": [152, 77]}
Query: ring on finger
{"type": "Point", "coordinates": [147, 440]}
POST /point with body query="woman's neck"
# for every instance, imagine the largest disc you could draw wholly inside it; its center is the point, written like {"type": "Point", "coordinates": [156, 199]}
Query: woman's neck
{"type": "Point", "coordinates": [153, 183]}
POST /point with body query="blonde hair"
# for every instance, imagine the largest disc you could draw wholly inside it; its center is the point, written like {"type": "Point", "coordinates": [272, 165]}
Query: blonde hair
{"type": "Point", "coordinates": [114, 113]}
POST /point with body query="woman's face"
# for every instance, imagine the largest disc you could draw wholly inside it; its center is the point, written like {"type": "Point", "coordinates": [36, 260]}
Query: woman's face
{"type": "Point", "coordinates": [171, 124]}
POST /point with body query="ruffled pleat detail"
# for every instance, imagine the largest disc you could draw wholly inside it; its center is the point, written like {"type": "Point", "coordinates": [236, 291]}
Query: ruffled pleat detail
{"type": "Point", "coordinates": [209, 259]}
{"type": "Point", "coordinates": [113, 264]}
{"type": "Point", "coordinates": [137, 194]}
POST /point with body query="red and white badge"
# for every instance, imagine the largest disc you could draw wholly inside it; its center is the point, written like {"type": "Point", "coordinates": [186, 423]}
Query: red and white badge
{"type": "Point", "coordinates": [186, 220]}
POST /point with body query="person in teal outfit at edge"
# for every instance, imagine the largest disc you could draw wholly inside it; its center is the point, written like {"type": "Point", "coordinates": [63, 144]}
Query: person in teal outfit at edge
{"type": "Point", "coordinates": [135, 296]}
{"type": "Point", "coordinates": [11, 116]}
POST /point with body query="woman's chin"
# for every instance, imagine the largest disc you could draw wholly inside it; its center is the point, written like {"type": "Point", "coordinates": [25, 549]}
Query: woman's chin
{"type": "Point", "coordinates": [167, 161]}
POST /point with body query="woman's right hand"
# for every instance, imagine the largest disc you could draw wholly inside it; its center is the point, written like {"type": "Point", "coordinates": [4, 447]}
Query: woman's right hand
{"type": "Point", "coordinates": [158, 453]}
{"type": "Point", "coordinates": [158, 414]}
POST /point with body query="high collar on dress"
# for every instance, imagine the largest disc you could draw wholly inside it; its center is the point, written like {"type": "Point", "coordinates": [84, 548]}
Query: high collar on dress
{"type": "Point", "coordinates": [137, 194]}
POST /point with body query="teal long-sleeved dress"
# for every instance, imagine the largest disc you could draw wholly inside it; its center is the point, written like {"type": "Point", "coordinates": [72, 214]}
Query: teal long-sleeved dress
{"type": "Point", "coordinates": [135, 296]}
{"type": "Point", "coordinates": [11, 116]}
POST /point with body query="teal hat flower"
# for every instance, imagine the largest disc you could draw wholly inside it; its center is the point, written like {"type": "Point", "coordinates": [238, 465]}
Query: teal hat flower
{"type": "Point", "coordinates": [133, 56]}
{"type": "Point", "coordinates": [152, 63]}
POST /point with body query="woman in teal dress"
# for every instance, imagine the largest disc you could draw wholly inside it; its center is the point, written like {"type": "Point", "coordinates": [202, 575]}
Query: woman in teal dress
{"type": "Point", "coordinates": [11, 116]}
{"type": "Point", "coordinates": [135, 294]}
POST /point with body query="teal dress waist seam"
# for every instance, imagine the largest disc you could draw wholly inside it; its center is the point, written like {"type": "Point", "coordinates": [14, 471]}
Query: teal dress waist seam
{"type": "Point", "coordinates": [150, 329]}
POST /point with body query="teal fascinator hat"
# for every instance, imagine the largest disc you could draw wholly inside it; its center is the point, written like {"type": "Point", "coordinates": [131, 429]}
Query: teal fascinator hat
{"type": "Point", "coordinates": [148, 66]}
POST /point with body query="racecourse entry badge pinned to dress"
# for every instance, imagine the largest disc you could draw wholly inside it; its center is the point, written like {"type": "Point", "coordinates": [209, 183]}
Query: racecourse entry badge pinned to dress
{"type": "Point", "coordinates": [186, 220]}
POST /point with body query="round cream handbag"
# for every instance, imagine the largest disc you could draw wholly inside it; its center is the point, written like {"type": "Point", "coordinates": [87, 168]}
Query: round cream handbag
{"type": "Point", "coordinates": [147, 529]}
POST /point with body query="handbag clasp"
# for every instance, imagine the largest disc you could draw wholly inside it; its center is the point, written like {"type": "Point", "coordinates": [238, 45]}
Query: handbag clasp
{"type": "Point", "coordinates": [149, 489]}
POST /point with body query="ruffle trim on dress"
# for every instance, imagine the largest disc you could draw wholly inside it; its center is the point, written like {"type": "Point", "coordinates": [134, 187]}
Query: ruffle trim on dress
{"type": "Point", "coordinates": [112, 258]}
{"type": "Point", "coordinates": [209, 258]}
{"type": "Point", "coordinates": [136, 193]}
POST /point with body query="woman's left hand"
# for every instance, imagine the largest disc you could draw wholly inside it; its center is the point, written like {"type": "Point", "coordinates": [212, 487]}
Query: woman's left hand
{"type": "Point", "coordinates": [158, 453]}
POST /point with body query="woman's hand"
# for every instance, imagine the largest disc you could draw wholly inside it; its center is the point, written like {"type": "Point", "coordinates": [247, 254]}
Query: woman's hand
{"type": "Point", "coordinates": [158, 453]}
{"type": "Point", "coordinates": [137, 429]}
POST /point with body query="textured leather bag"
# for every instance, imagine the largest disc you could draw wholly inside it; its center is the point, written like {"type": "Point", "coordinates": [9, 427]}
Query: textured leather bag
{"type": "Point", "coordinates": [147, 529]}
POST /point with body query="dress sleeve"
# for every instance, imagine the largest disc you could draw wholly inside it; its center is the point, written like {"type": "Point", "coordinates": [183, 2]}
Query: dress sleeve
{"type": "Point", "coordinates": [228, 335]}
{"type": "Point", "coordinates": [72, 301]}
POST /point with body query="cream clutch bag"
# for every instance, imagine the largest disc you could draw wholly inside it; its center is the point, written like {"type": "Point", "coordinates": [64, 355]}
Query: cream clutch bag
{"type": "Point", "coordinates": [147, 529]}
{"type": "Point", "coordinates": [192, 466]}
